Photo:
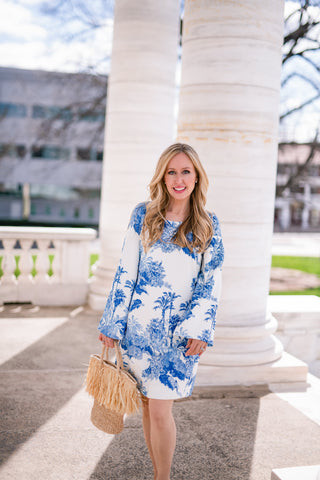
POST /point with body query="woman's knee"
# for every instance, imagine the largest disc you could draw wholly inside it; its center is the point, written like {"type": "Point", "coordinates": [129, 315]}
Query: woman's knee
{"type": "Point", "coordinates": [160, 411]}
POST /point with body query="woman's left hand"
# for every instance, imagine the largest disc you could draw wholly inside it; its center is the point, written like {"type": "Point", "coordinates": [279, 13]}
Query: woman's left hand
{"type": "Point", "coordinates": [196, 347]}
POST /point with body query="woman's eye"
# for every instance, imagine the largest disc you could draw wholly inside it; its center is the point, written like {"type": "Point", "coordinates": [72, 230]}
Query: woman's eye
{"type": "Point", "coordinates": [183, 171]}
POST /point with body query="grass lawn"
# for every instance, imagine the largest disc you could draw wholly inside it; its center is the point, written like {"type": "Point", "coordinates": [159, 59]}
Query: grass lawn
{"type": "Point", "coordinates": [304, 264]}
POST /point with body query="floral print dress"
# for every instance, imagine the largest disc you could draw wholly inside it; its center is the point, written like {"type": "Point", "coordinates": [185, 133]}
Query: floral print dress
{"type": "Point", "coordinates": [160, 299]}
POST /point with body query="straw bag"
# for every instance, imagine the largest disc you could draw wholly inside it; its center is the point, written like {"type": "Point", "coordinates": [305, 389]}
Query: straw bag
{"type": "Point", "coordinates": [111, 385]}
{"type": "Point", "coordinates": [105, 419]}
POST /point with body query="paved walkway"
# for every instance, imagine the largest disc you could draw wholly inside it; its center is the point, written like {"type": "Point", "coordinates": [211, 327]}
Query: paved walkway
{"type": "Point", "coordinates": [46, 434]}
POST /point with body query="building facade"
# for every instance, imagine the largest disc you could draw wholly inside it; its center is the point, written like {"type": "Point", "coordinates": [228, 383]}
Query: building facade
{"type": "Point", "coordinates": [297, 208]}
{"type": "Point", "coordinates": [51, 146]}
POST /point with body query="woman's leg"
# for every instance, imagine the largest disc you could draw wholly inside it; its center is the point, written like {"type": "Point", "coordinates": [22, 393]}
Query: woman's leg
{"type": "Point", "coordinates": [162, 435]}
{"type": "Point", "coordinates": [146, 430]}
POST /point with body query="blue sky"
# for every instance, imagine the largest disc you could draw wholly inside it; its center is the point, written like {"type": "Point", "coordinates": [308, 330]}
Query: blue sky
{"type": "Point", "coordinates": [33, 40]}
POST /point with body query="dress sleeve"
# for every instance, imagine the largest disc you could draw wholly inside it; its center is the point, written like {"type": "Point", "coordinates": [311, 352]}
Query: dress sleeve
{"type": "Point", "coordinates": [200, 317]}
{"type": "Point", "coordinates": [114, 318]}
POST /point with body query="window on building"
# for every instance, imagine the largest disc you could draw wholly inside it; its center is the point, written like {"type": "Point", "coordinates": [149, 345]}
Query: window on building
{"type": "Point", "coordinates": [33, 209]}
{"type": "Point", "coordinates": [76, 212]}
{"type": "Point", "coordinates": [20, 151]}
{"type": "Point", "coordinates": [91, 116]}
{"type": "Point", "coordinates": [50, 152]}
{"type": "Point", "coordinates": [296, 188]}
{"type": "Point", "coordinates": [83, 154]}
{"type": "Point", "coordinates": [91, 212]}
{"type": "Point", "coordinates": [48, 210]}
{"type": "Point", "coordinates": [89, 155]}
{"type": "Point", "coordinates": [17, 151]}
{"type": "Point", "coordinates": [53, 112]}
{"type": "Point", "coordinates": [62, 212]}
{"type": "Point", "coordinates": [12, 110]}
{"type": "Point", "coordinates": [314, 170]}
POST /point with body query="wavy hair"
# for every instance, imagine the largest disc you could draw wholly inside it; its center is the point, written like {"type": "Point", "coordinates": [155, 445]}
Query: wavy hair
{"type": "Point", "coordinates": [198, 222]}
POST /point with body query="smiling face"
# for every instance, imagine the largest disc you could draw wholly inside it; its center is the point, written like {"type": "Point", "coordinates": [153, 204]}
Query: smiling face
{"type": "Point", "coordinates": [180, 176]}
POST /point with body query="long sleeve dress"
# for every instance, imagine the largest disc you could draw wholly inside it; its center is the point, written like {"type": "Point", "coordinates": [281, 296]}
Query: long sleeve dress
{"type": "Point", "coordinates": [160, 299]}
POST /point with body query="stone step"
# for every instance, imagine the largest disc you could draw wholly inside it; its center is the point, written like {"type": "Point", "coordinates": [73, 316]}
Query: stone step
{"type": "Point", "coordinates": [286, 372]}
{"type": "Point", "coordinates": [309, 472]}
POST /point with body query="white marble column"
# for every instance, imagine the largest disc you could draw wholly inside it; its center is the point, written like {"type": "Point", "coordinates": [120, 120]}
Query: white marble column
{"type": "Point", "coordinates": [228, 110]}
{"type": "Point", "coordinates": [139, 120]}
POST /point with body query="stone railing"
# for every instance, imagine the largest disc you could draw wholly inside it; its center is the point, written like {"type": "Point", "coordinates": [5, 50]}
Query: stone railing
{"type": "Point", "coordinates": [45, 265]}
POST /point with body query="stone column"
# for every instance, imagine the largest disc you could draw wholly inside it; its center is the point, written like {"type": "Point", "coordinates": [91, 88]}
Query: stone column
{"type": "Point", "coordinates": [140, 121]}
{"type": "Point", "coordinates": [228, 110]}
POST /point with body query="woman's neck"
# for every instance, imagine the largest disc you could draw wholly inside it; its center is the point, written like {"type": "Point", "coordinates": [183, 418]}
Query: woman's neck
{"type": "Point", "coordinates": [179, 209]}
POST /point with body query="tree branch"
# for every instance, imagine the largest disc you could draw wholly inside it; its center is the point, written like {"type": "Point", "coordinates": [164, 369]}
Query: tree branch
{"type": "Point", "coordinates": [289, 112]}
{"type": "Point", "coordinates": [314, 147]}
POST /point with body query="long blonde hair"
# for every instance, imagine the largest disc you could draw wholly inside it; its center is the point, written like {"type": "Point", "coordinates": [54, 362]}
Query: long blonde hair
{"type": "Point", "coordinates": [198, 222]}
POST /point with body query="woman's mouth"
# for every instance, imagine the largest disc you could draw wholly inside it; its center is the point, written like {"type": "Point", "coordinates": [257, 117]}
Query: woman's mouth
{"type": "Point", "coordinates": [179, 190]}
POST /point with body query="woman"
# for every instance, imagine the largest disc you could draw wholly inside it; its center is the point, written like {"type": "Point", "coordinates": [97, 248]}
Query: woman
{"type": "Point", "coordinates": [163, 301]}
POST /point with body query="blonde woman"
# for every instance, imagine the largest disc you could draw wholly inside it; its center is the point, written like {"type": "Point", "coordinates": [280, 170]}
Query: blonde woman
{"type": "Point", "coordinates": [164, 298]}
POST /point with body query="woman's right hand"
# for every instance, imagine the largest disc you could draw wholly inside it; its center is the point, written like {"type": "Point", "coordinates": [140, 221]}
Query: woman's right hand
{"type": "Point", "coordinates": [109, 342]}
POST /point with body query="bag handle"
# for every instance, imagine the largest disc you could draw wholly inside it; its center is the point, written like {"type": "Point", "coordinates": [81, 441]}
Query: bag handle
{"type": "Point", "coordinates": [105, 352]}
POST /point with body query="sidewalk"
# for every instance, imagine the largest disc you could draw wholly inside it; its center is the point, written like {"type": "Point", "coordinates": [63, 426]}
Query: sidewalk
{"type": "Point", "coordinates": [296, 244]}
{"type": "Point", "coordinates": [228, 434]}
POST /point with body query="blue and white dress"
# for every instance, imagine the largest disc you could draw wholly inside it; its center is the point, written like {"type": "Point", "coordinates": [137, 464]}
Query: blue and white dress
{"type": "Point", "coordinates": [160, 299]}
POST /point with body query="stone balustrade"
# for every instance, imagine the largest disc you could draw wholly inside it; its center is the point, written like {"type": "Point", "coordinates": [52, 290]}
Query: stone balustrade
{"type": "Point", "coordinates": [45, 265]}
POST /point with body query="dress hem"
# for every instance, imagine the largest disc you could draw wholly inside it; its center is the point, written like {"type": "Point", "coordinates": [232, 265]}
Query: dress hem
{"type": "Point", "coordinates": [171, 398]}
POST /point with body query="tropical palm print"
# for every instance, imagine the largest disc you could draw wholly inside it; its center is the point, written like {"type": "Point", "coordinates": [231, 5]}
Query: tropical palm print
{"type": "Point", "coordinates": [160, 299]}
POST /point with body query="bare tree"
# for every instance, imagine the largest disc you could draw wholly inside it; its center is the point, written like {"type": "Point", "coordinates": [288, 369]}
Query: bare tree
{"type": "Point", "coordinates": [300, 72]}
{"type": "Point", "coordinates": [301, 47]}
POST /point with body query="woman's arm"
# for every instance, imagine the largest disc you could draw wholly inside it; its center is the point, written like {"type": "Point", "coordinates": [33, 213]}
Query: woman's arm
{"type": "Point", "coordinates": [200, 318]}
{"type": "Point", "coordinates": [114, 319]}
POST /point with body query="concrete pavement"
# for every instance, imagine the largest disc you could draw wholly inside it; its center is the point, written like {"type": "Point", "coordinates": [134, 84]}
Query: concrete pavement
{"type": "Point", "coordinates": [222, 433]}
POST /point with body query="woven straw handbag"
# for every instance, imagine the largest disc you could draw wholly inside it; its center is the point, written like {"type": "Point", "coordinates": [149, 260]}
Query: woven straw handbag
{"type": "Point", "coordinates": [105, 419]}
{"type": "Point", "coordinates": [114, 389]}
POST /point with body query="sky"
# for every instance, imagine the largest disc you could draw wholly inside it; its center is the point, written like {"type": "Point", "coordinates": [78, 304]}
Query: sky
{"type": "Point", "coordinates": [33, 38]}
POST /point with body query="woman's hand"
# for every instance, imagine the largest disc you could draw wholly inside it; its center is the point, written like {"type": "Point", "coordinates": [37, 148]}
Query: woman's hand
{"type": "Point", "coordinates": [196, 347]}
{"type": "Point", "coordinates": [109, 342]}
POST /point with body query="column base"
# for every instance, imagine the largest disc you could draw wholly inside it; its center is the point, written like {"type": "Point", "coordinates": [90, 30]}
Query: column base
{"type": "Point", "coordinates": [287, 371]}
{"type": "Point", "coordinates": [96, 302]}
{"type": "Point", "coordinates": [99, 288]}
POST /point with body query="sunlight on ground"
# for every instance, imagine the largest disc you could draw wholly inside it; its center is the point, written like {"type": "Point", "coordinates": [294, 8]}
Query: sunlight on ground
{"type": "Point", "coordinates": [61, 441]}
{"type": "Point", "coordinates": [19, 333]}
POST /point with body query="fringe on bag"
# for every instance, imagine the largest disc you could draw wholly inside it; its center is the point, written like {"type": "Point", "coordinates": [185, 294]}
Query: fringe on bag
{"type": "Point", "coordinates": [115, 390]}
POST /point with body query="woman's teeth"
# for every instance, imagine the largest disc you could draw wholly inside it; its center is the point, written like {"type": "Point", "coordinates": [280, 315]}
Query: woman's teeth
{"type": "Point", "coordinates": [179, 189]}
